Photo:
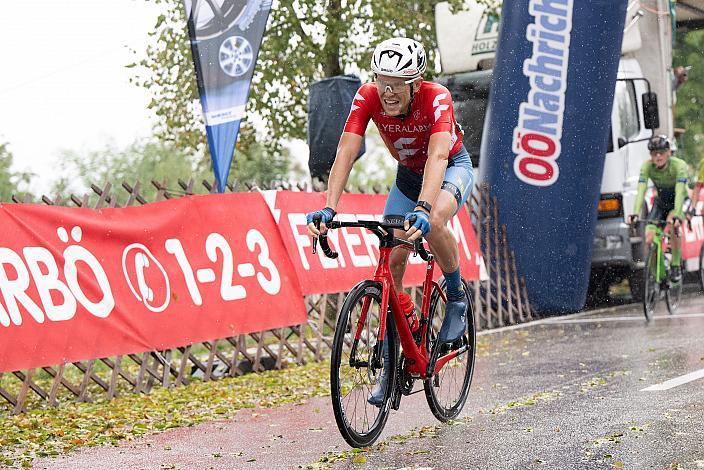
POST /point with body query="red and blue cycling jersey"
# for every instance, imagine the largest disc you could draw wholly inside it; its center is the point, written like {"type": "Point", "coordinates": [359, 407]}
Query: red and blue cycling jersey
{"type": "Point", "coordinates": [407, 139]}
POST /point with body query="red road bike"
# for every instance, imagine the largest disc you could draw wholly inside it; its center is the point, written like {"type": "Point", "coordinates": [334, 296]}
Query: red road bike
{"type": "Point", "coordinates": [370, 315]}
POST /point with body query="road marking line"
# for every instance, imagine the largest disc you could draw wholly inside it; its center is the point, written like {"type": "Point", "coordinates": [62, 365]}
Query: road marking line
{"type": "Point", "coordinates": [510, 328]}
{"type": "Point", "coordinates": [672, 383]}
{"type": "Point", "coordinates": [533, 323]}
{"type": "Point", "coordinates": [633, 318]}
{"type": "Point", "coordinates": [573, 318]}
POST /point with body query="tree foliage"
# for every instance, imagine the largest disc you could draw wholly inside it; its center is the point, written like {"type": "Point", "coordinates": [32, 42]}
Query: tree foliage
{"type": "Point", "coordinates": [689, 110]}
{"type": "Point", "coordinates": [162, 162]}
{"type": "Point", "coordinates": [11, 183]}
{"type": "Point", "coordinates": [141, 161]}
{"type": "Point", "coordinates": [305, 40]}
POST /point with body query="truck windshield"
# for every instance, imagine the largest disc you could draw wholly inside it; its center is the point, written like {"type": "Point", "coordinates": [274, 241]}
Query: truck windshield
{"type": "Point", "coordinates": [470, 95]}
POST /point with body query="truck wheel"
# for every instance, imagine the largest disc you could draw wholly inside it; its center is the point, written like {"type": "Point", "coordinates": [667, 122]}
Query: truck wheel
{"type": "Point", "coordinates": [637, 284]}
{"type": "Point", "coordinates": [598, 291]}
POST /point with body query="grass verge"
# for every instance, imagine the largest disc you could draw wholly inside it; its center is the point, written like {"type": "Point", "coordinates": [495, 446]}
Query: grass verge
{"type": "Point", "coordinates": [54, 431]}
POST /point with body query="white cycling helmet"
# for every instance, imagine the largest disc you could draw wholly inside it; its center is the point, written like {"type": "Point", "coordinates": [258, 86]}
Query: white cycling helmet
{"type": "Point", "coordinates": [399, 57]}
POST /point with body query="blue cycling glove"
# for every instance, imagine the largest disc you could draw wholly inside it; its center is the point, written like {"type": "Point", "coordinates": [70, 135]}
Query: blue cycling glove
{"type": "Point", "coordinates": [421, 221]}
{"type": "Point", "coordinates": [325, 215]}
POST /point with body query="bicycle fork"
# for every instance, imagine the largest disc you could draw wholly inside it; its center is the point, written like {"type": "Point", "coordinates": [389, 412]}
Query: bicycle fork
{"type": "Point", "coordinates": [376, 361]}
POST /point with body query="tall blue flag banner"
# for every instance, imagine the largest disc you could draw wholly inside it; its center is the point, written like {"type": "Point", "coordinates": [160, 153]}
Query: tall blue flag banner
{"type": "Point", "coordinates": [225, 38]}
{"type": "Point", "coordinates": [546, 135]}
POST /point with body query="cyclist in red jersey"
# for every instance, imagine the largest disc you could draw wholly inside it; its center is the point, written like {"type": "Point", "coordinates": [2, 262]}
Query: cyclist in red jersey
{"type": "Point", "coordinates": [416, 121]}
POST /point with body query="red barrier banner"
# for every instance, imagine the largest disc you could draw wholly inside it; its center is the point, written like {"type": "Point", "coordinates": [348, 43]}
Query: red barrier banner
{"type": "Point", "coordinates": [358, 248]}
{"type": "Point", "coordinates": [81, 284]}
{"type": "Point", "coordinates": [693, 236]}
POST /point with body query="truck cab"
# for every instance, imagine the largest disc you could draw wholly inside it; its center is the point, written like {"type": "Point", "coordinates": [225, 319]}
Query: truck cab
{"type": "Point", "coordinates": [467, 44]}
{"type": "Point", "coordinates": [615, 253]}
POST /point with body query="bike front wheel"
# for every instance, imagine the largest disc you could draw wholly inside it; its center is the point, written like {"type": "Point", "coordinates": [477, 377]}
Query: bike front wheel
{"type": "Point", "coordinates": [673, 296]}
{"type": "Point", "coordinates": [447, 391]}
{"type": "Point", "coordinates": [651, 284]}
{"type": "Point", "coordinates": [354, 369]}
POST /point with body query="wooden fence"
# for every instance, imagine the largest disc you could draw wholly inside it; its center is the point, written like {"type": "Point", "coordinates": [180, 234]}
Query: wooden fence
{"type": "Point", "coordinates": [501, 299]}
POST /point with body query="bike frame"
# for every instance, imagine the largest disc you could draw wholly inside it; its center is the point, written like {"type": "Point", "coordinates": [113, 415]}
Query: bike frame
{"type": "Point", "coordinates": [416, 356]}
{"type": "Point", "coordinates": [660, 270]}
{"type": "Point", "coordinates": [658, 239]}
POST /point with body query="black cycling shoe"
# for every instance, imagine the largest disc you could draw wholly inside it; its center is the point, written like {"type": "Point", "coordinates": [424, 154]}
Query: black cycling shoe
{"type": "Point", "coordinates": [455, 322]}
{"type": "Point", "coordinates": [376, 397]}
{"type": "Point", "coordinates": [675, 274]}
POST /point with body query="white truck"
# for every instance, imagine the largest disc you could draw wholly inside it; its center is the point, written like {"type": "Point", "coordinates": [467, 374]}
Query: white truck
{"type": "Point", "coordinates": [642, 106]}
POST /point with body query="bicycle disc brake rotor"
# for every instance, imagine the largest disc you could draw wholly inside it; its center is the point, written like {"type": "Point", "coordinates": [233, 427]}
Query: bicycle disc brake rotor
{"type": "Point", "coordinates": [373, 374]}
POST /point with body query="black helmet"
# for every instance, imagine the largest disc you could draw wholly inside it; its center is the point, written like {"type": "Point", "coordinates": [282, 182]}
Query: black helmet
{"type": "Point", "coordinates": [659, 142]}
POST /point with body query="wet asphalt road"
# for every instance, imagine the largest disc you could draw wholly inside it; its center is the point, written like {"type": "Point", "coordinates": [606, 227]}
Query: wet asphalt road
{"type": "Point", "coordinates": [558, 393]}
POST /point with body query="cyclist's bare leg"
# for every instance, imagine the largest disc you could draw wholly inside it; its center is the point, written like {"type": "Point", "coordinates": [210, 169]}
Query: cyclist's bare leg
{"type": "Point", "coordinates": [397, 266]}
{"type": "Point", "coordinates": [397, 262]}
{"type": "Point", "coordinates": [441, 241]}
{"type": "Point", "coordinates": [444, 248]}
{"type": "Point", "coordinates": [675, 241]}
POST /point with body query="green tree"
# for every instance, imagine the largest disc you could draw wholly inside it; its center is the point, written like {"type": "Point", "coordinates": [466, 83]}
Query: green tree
{"type": "Point", "coordinates": [306, 40]}
{"type": "Point", "coordinates": [689, 110]}
{"type": "Point", "coordinates": [145, 161]}
{"type": "Point", "coordinates": [11, 182]}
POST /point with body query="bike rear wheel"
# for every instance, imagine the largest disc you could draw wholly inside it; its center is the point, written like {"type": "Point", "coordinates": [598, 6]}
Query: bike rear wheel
{"type": "Point", "coordinates": [447, 391]}
{"type": "Point", "coordinates": [701, 267]}
{"type": "Point", "coordinates": [651, 284]}
{"type": "Point", "coordinates": [353, 372]}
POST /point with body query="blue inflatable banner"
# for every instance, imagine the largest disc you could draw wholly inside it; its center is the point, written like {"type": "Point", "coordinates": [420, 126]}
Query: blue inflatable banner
{"type": "Point", "coordinates": [545, 137]}
{"type": "Point", "coordinates": [225, 38]}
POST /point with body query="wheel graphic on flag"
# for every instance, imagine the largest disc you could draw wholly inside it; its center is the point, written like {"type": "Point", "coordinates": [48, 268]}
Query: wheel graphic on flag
{"type": "Point", "coordinates": [213, 18]}
{"type": "Point", "coordinates": [225, 36]}
{"type": "Point", "coordinates": [236, 56]}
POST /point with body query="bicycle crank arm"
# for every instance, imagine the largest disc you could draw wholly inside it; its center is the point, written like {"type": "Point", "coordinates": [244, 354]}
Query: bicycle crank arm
{"type": "Point", "coordinates": [435, 365]}
{"type": "Point", "coordinates": [449, 356]}
{"type": "Point", "coordinates": [454, 354]}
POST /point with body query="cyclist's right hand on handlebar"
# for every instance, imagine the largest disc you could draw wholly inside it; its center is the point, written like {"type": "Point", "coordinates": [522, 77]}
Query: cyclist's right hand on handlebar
{"type": "Point", "coordinates": [416, 224]}
{"type": "Point", "coordinates": [633, 219]}
{"type": "Point", "coordinates": [317, 220]}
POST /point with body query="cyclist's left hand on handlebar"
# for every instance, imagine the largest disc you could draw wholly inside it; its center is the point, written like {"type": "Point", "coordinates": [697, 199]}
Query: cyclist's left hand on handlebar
{"type": "Point", "coordinates": [416, 224]}
{"type": "Point", "coordinates": [317, 220]}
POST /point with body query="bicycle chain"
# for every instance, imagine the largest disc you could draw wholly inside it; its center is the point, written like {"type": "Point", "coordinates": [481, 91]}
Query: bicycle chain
{"type": "Point", "coordinates": [405, 381]}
